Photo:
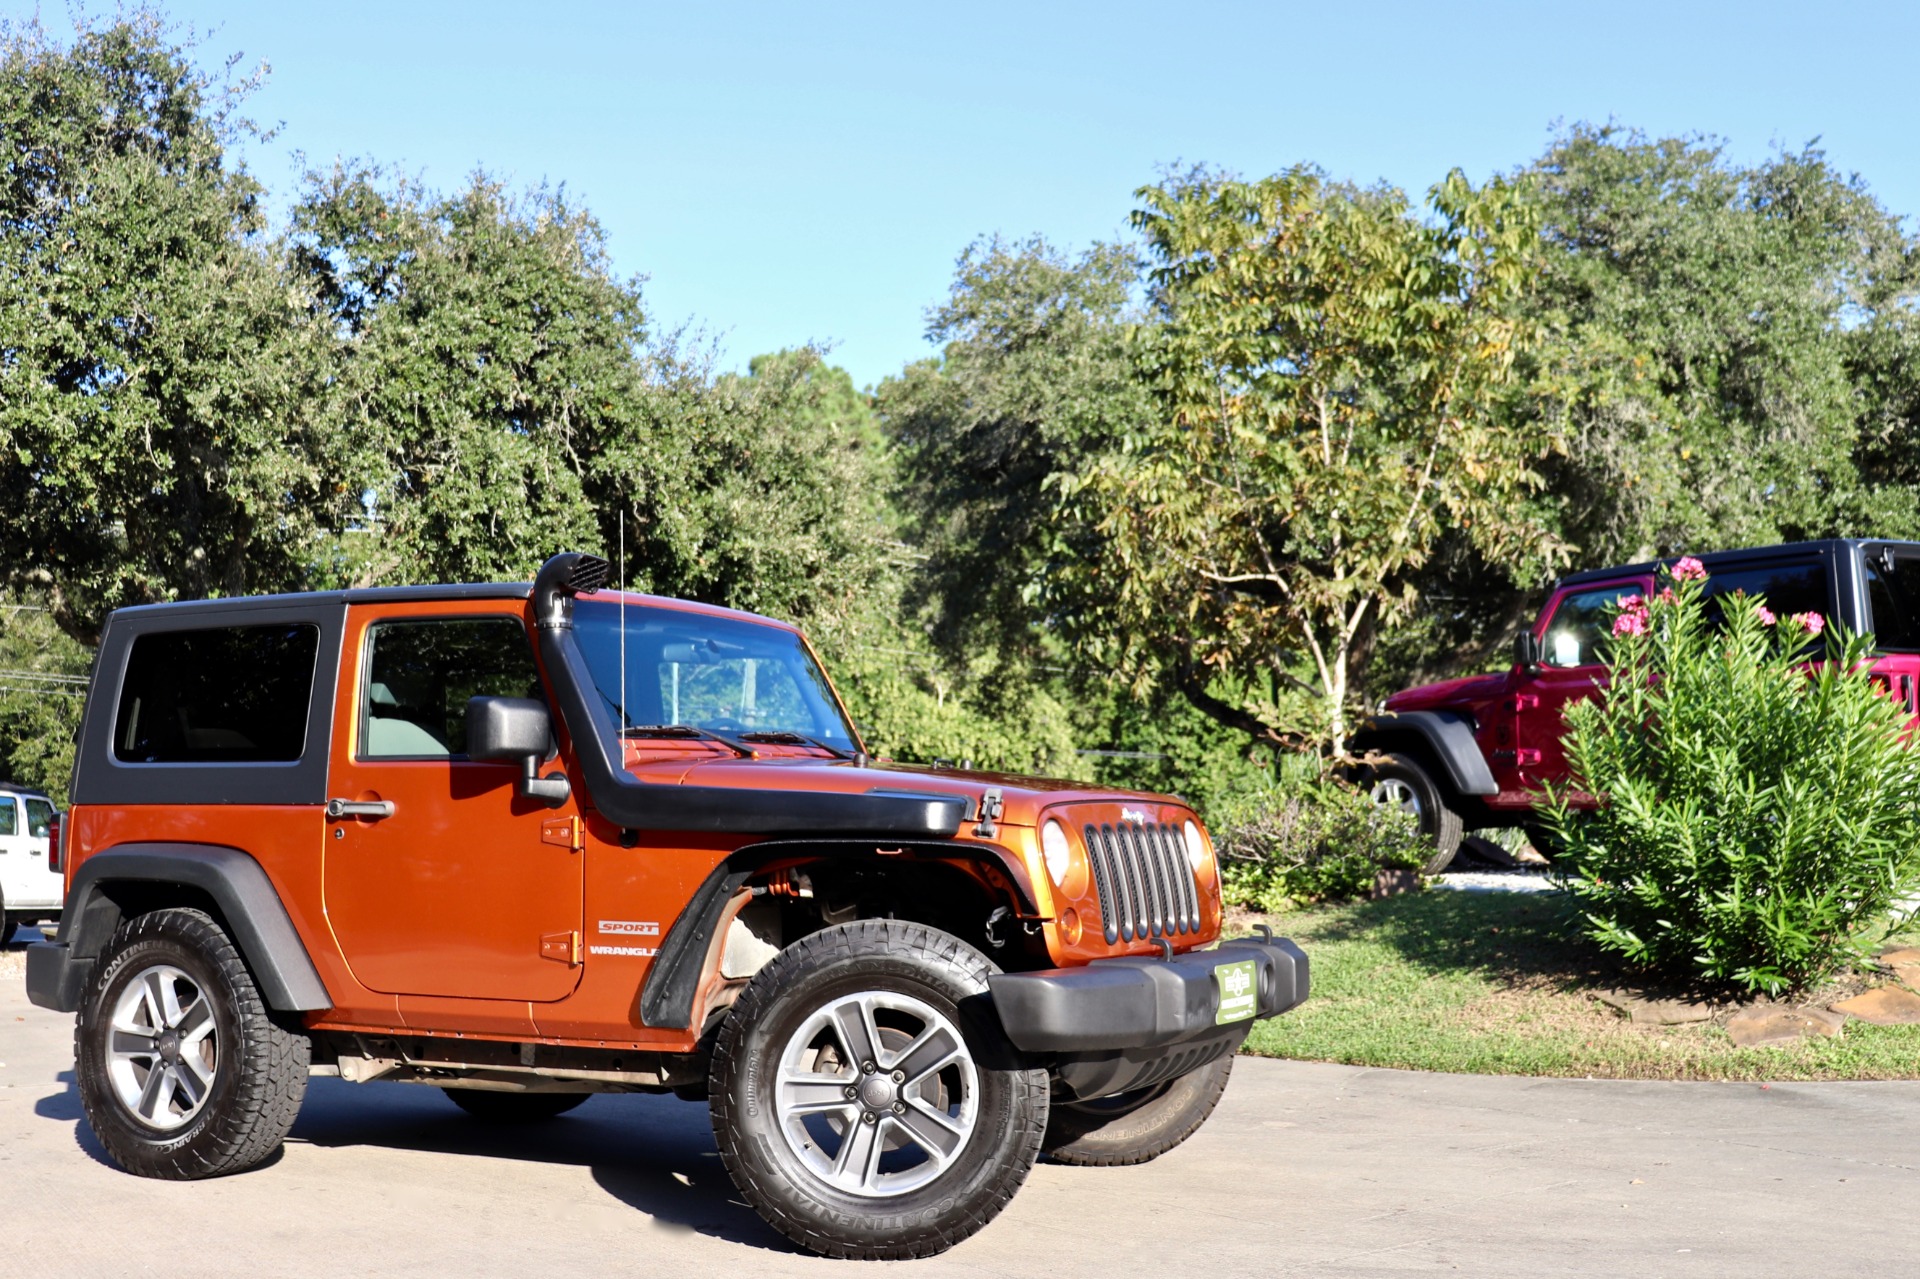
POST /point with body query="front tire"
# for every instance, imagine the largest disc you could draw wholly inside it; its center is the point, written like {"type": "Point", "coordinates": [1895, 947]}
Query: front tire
{"type": "Point", "coordinates": [1402, 782]}
{"type": "Point", "coordinates": [1134, 1127]}
{"type": "Point", "coordinates": [184, 1072]}
{"type": "Point", "coordinates": [864, 1098]}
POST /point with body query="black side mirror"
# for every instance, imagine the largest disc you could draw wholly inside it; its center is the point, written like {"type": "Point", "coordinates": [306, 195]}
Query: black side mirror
{"type": "Point", "coordinates": [1526, 651]}
{"type": "Point", "coordinates": [509, 729]}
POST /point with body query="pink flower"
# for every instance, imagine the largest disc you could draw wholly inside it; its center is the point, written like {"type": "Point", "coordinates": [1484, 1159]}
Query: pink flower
{"type": "Point", "coordinates": [1689, 569]}
{"type": "Point", "coordinates": [1630, 603]}
{"type": "Point", "coordinates": [1630, 624]}
{"type": "Point", "coordinates": [1812, 621]}
{"type": "Point", "coordinates": [1766, 616]}
{"type": "Point", "coordinates": [1666, 595]}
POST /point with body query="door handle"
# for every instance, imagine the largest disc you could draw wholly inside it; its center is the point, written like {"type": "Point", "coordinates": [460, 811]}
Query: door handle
{"type": "Point", "coordinates": [376, 808]}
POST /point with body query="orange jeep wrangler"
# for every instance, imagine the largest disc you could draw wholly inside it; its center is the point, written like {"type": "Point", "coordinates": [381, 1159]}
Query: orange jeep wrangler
{"type": "Point", "coordinates": [528, 843]}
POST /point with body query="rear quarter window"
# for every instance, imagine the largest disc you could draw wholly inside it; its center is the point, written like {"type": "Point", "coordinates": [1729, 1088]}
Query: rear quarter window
{"type": "Point", "coordinates": [236, 694]}
{"type": "Point", "coordinates": [1787, 588]}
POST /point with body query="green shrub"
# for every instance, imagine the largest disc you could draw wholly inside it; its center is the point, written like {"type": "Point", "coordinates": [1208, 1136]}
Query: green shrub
{"type": "Point", "coordinates": [1320, 840]}
{"type": "Point", "coordinates": [1761, 807]}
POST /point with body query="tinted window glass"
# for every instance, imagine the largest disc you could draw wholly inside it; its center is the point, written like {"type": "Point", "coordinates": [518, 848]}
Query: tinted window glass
{"type": "Point", "coordinates": [1577, 634]}
{"type": "Point", "coordinates": [1788, 588]}
{"type": "Point", "coordinates": [9, 817]}
{"type": "Point", "coordinates": [232, 695]}
{"type": "Point", "coordinates": [1893, 600]}
{"type": "Point", "coordinates": [421, 674]}
{"type": "Point", "coordinates": [39, 817]}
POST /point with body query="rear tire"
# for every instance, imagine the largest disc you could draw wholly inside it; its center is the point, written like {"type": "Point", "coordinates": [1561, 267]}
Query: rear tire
{"type": "Point", "coordinates": [865, 1099]}
{"type": "Point", "coordinates": [1132, 1128]}
{"type": "Point", "coordinates": [184, 1072]}
{"type": "Point", "coordinates": [1400, 781]}
{"type": "Point", "coordinates": [514, 1107]}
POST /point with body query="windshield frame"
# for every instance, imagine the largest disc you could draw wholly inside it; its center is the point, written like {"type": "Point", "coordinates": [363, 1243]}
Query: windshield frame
{"type": "Point", "coordinates": [649, 623]}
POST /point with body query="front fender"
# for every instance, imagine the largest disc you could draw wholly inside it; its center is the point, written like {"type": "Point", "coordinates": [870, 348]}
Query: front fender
{"type": "Point", "coordinates": [1446, 736]}
{"type": "Point", "coordinates": [666, 1000]}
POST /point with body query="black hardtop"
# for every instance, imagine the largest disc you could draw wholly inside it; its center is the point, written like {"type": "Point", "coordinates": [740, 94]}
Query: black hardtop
{"type": "Point", "coordinates": [25, 792]}
{"type": "Point", "coordinates": [355, 595]}
{"type": "Point", "coordinates": [1836, 546]}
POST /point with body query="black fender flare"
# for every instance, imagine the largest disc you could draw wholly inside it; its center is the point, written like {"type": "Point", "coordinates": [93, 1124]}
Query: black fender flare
{"type": "Point", "coordinates": [1446, 736]}
{"type": "Point", "coordinates": [248, 904]}
{"type": "Point", "coordinates": [673, 980]}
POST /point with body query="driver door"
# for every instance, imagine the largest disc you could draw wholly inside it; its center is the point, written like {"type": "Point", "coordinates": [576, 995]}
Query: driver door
{"type": "Point", "coordinates": [1572, 669]}
{"type": "Point", "coordinates": [444, 882]}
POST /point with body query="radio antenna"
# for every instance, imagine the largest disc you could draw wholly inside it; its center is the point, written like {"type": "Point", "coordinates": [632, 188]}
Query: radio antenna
{"type": "Point", "coordinates": [623, 622]}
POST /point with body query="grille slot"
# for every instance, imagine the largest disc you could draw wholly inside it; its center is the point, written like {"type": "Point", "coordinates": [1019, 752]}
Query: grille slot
{"type": "Point", "coordinates": [1143, 881]}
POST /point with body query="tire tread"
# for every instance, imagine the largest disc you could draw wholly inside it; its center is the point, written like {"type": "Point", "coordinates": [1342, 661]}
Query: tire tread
{"type": "Point", "coordinates": [272, 1069]}
{"type": "Point", "coordinates": [864, 937]}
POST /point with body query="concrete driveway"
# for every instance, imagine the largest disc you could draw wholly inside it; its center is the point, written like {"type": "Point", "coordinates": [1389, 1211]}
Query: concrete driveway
{"type": "Point", "coordinates": [1306, 1169]}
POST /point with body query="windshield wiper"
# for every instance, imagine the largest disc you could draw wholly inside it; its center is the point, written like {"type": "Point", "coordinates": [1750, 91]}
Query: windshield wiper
{"type": "Point", "coordinates": [788, 735]}
{"type": "Point", "coordinates": [732, 743]}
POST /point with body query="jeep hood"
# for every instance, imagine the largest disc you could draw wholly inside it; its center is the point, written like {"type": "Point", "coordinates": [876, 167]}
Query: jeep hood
{"type": "Point", "coordinates": [1022, 798]}
{"type": "Point", "coordinates": [1448, 694]}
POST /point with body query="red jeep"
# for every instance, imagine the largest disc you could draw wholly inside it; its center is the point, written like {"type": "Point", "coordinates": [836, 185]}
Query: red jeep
{"type": "Point", "coordinates": [1476, 752]}
{"type": "Point", "coordinates": [527, 843]}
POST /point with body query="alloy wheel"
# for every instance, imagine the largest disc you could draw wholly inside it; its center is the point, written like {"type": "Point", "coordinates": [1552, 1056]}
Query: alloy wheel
{"type": "Point", "coordinates": [164, 1051]}
{"type": "Point", "coordinates": [877, 1093]}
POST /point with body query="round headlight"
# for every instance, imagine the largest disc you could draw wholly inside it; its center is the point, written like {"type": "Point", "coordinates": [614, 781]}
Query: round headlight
{"type": "Point", "coordinates": [1054, 847]}
{"type": "Point", "coordinates": [1196, 847]}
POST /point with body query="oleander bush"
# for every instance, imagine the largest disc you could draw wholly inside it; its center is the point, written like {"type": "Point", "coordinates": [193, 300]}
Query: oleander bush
{"type": "Point", "coordinates": [1760, 814]}
{"type": "Point", "coordinates": [1312, 841]}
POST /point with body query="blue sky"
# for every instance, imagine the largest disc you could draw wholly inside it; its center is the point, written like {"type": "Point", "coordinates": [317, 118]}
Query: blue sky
{"type": "Point", "coordinates": [787, 173]}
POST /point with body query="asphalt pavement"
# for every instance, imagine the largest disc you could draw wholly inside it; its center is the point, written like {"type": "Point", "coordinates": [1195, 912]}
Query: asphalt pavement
{"type": "Point", "coordinates": [1305, 1170]}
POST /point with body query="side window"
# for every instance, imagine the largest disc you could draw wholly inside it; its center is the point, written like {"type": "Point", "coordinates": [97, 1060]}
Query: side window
{"type": "Point", "coordinates": [1789, 588]}
{"type": "Point", "coordinates": [39, 817]}
{"type": "Point", "coordinates": [1578, 630]}
{"type": "Point", "coordinates": [9, 817]}
{"type": "Point", "coordinates": [420, 675]}
{"type": "Point", "coordinates": [1893, 592]}
{"type": "Point", "coordinates": [230, 695]}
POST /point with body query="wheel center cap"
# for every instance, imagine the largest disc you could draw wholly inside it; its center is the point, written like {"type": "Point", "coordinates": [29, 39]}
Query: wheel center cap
{"type": "Point", "coordinates": [876, 1092]}
{"type": "Point", "coordinates": [169, 1045]}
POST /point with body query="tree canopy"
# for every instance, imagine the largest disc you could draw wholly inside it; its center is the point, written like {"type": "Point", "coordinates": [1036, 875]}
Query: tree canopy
{"type": "Point", "coordinates": [1151, 511]}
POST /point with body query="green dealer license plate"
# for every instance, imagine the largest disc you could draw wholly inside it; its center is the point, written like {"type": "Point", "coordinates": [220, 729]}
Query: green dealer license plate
{"type": "Point", "coordinates": [1239, 998]}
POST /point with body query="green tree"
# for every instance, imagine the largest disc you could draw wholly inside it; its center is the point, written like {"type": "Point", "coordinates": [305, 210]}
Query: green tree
{"type": "Point", "coordinates": [483, 348]}
{"type": "Point", "coordinates": [1728, 356]}
{"type": "Point", "coordinates": [1706, 326]}
{"type": "Point", "coordinates": [1034, 380]}
{"type": "Point", "coordinates": [43, 684]}
{"type": "Point", "coordinates": [1324, 365]}
{"type": "Point", "coordinates": [515, 402]}
{"type": "Point", "coordinates": [155, 358]}
{"type": "Point", "coordinates": [764, 491]}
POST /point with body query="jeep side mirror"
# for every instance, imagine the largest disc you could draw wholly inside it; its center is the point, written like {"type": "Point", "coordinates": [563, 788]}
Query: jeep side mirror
{"type": "Point", "coordinates": [510, 729]}
{"type": "Point", "coordinates": [1526, 650]}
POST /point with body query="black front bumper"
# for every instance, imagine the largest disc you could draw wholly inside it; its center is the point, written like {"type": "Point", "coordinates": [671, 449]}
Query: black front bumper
{"type": "Point", "coordinates": [1131, 1004]}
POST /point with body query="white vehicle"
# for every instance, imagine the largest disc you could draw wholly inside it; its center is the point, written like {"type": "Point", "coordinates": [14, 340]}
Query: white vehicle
{"type": "Point", "coordinates": [30, 890]}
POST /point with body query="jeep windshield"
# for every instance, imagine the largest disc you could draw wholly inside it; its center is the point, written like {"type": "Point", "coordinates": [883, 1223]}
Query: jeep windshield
{"type": "Point", "coordinates": [696, 676]}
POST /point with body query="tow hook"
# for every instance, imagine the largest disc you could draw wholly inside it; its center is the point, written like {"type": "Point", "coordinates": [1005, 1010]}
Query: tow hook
{"type": "Point", "coordinates": [993, 922]}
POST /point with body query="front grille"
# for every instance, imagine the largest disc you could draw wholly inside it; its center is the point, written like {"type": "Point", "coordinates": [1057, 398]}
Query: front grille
{"type": "Point", "coordinates": [1145, 886]}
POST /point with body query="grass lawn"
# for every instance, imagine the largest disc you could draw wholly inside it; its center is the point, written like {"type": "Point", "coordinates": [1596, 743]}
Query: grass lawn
{"type": "Point", "coordinates": [1502, 983]}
